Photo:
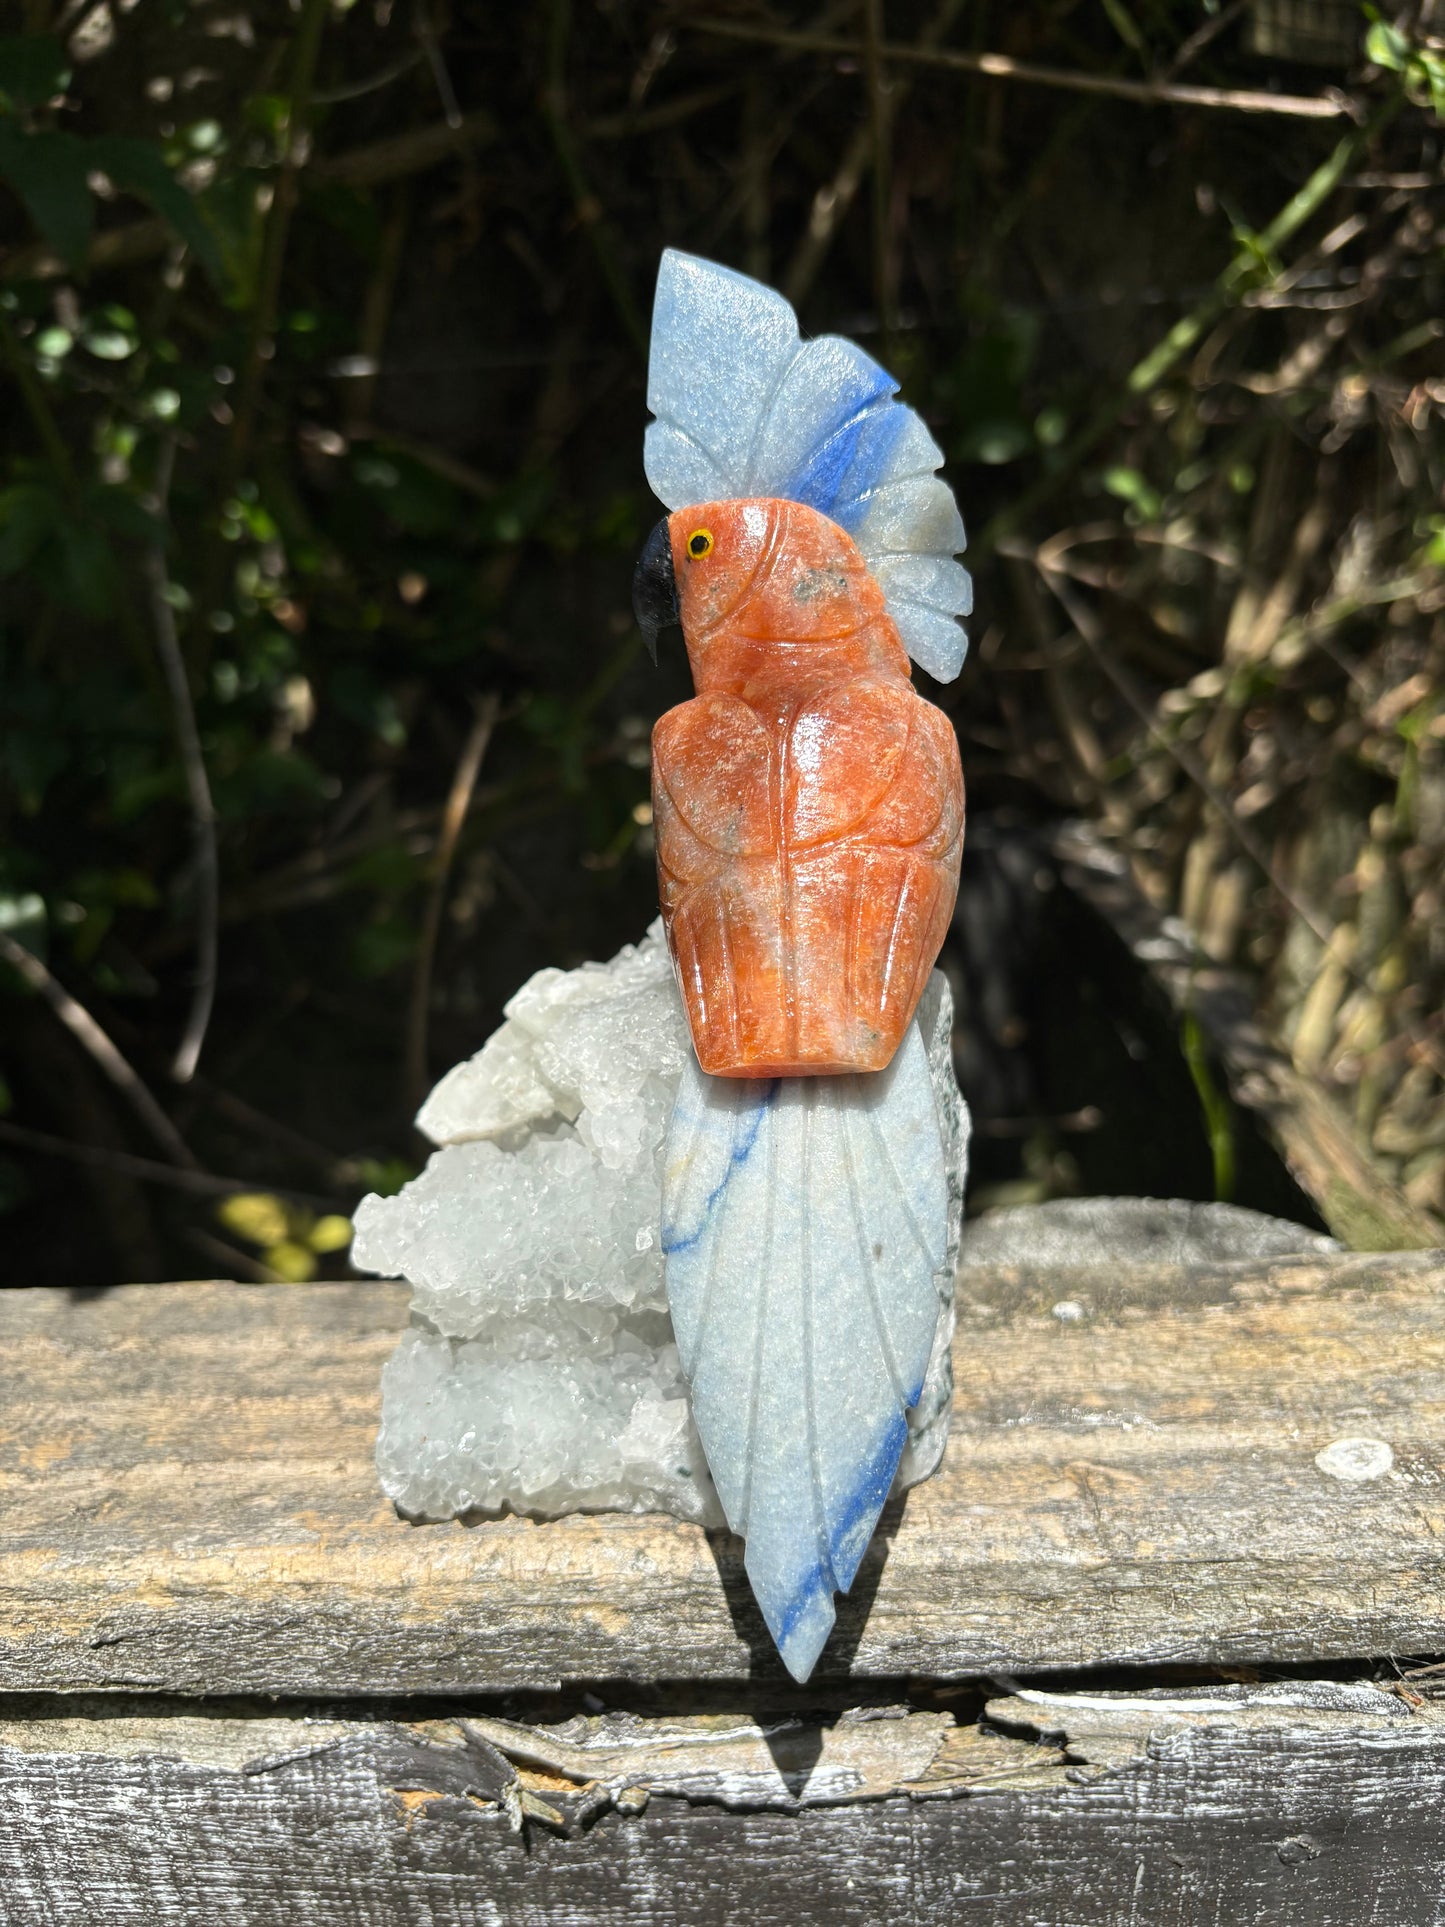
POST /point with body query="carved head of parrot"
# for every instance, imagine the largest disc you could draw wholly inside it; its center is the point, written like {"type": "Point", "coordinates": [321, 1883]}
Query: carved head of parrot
{"type": "Point", "coordinates": [748, 414]}
{"type": "Point", "coordinates": [767, 592]}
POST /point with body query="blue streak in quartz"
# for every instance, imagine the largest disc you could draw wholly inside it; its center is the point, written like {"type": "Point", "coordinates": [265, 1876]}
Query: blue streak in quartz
{"type": "Point", "coordinates": [866, 1499]}
{"type": "Point", "coordinates": [879, 434]}
{"type": "Point", "coordinates": [671, 1240]}
{"type": "Point", "coordinates": [870, 433]}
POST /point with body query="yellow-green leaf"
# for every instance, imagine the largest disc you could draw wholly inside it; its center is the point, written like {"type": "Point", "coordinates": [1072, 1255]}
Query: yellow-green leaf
{"type": "Point", "coordinates": [256, 1216]}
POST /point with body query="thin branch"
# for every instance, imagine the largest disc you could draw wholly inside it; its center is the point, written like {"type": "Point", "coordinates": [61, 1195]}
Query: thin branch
{"type": "Point", "coordinates": [464, 782]}
{"type": "Point", "coordinates": [402, 154]}
{"type": "Point", "coordinates": [751, 196]}
{"type": "Point", "coordinates": [239, 1264]}
{"type": "Point", "coordinates": [88, 1033]}
{"type": "Point", "coordinates": [1089, 1118]}
{"type": "Point", "coordinates": [447, 94]}
{"type": "Point", "coordinates": [273, 244]}
{"type": "Point", "coordinates": [667, 113]}
{"type": "Point", "coordinates": [73, 16]}
{"type": "Point", "coordinates": [1190, 49]}
{"type": "Point", "coordinates": [835, 197]}
{"type": "Point", "coordinates": [450, 467]}
{"type": "Point", "coordinates": [830, 203]}
{"type": "Point", "coordinates": [591, 216]}
{"type": "Point", "coordinates": [879, 138]}
{"type": "Point", "coordinates": [276, 1134]}
{"type": "Point", "coordinates": [376, 310]}
{"type": "Point", "coordinates": [358, 89]}
{"type": "Point", "coordinates": [198, 788]}
{"type": "Point", "coordinates": [1153, 93]}
{"type": "Point", "coordinates": [199, 1183]}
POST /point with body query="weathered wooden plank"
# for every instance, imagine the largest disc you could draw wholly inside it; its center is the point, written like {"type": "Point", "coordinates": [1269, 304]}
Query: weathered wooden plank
{"type": "Point", "coordinates": [1309, 1803]}
{"type": "Point", "coordinates": [187, 1499]}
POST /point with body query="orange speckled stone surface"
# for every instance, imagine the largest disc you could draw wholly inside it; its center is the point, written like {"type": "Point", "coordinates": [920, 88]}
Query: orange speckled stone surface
{"type": "Point", "coordinates": [808, 802]}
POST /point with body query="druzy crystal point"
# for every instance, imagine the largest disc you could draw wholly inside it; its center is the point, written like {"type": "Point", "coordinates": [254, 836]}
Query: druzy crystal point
{"type": "Point", "coordinates": [809, 810]}
{"type": "Point", "coordinates": [539, 1372]}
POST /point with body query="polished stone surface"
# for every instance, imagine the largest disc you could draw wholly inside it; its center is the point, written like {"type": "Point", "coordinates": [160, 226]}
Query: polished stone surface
{"type": "Point", "coordinates": [808, 803]}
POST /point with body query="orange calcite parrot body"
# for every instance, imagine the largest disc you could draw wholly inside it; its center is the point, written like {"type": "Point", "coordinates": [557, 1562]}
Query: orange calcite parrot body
{"type": "Point", "coordinates": [808, 803]}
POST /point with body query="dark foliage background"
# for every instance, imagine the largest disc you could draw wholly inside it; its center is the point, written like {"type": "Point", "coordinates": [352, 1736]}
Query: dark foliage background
{"type": "Point", "coordinates": [324, 717]}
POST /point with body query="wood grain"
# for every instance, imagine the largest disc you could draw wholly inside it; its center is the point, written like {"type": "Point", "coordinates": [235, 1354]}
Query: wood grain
{"type": "Point", "coordinates": [1312, 1802]}
{"type": "Point", "coordinates": [187, 1500]}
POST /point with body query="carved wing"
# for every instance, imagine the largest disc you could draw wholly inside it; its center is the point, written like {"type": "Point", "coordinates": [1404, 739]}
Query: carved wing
{"type": "Point", "coordinates": [712, 786]}
{"type": "Point", "coordinates": [873, 760]}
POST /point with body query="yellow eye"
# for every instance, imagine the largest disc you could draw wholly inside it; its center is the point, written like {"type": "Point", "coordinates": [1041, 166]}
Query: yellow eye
{"type": "Point", "coordinates": [699, 544]}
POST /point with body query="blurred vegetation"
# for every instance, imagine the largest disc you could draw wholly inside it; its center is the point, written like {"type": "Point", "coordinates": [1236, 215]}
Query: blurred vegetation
{"type": "Point", "coordinates": [322, 715]}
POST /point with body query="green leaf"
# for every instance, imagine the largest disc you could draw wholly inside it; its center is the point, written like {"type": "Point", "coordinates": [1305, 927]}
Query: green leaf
{"type": "Point", "coordinates": [236, 227]}
{"type": "Point", "coordinates": [136, 789]}
{"type": "Point", "coordinates": [1051, 425]}
{"type": "Point", "coordinates": [1127, 28]}
{"type": "Point", "coordinates": [986, 389]}
{"type": "Point", "coordinates": [1131, 487]}
{"type": "Point", "coordinates": [48, 171]}
{"type": "Point", "coordinates": [412, 496]}
{"type": "Point", "coordinates": [139, 167]}
{"type": "Point", "coordinates": [86, 573]}
{"type": "Point", "coordinates": [31, 759]}
{"type": "Point", "coordinates": [995, 442]}
{"type": "Point", "coordinates": [1215, 1106]}
{"type": "Point", "coordinates": [123, 885]}
{"type": "Point", "coordinates": [120, 509]}
{"type": "Point", "coordinates": [268, 113]}
{"type": "Point", "coordinates": [385, 1176]}
{"type": "Point", "coordinates": [23, 917]}
{"type": "Point", "coordinates": [1387, 46]}
{"type": "Point", "coordinates": [29, 512]}
{"type": "Point", "coordinates": [110, 344]}
{"type": "Point", "coordinates": [381, 947]}
{"type": "Point", "coordinates": [33, 69]}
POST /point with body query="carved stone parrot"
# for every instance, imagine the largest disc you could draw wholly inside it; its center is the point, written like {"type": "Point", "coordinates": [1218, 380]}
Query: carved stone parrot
{"type": "Point", "coordinates": [809, 808]}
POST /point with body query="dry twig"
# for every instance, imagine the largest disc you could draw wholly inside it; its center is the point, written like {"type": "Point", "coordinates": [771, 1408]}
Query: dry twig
{"type": "Point", "coordinates": [1153, 93]}
{"type": "Point", "coordinates": [193, 762]}
{"type": "Point", "coordinates": [464, 782]}
{"type": "Point", "coordinates": [201, 1184]}
{"type": "Point", "coordinates": [88, 1033]}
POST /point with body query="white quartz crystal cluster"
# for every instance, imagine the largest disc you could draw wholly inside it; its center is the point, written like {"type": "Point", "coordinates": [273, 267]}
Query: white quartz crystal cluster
{"type": "Point", "coordinates": [539, 1371]}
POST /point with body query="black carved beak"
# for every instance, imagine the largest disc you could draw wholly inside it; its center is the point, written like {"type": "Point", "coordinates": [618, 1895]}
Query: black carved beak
{"type": "Point", "coordinates": [654, 588]}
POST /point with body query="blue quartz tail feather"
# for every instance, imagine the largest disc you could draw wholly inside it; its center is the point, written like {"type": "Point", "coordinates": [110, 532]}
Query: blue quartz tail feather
{"type": "Point", "coordinates": [805, 1226]}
